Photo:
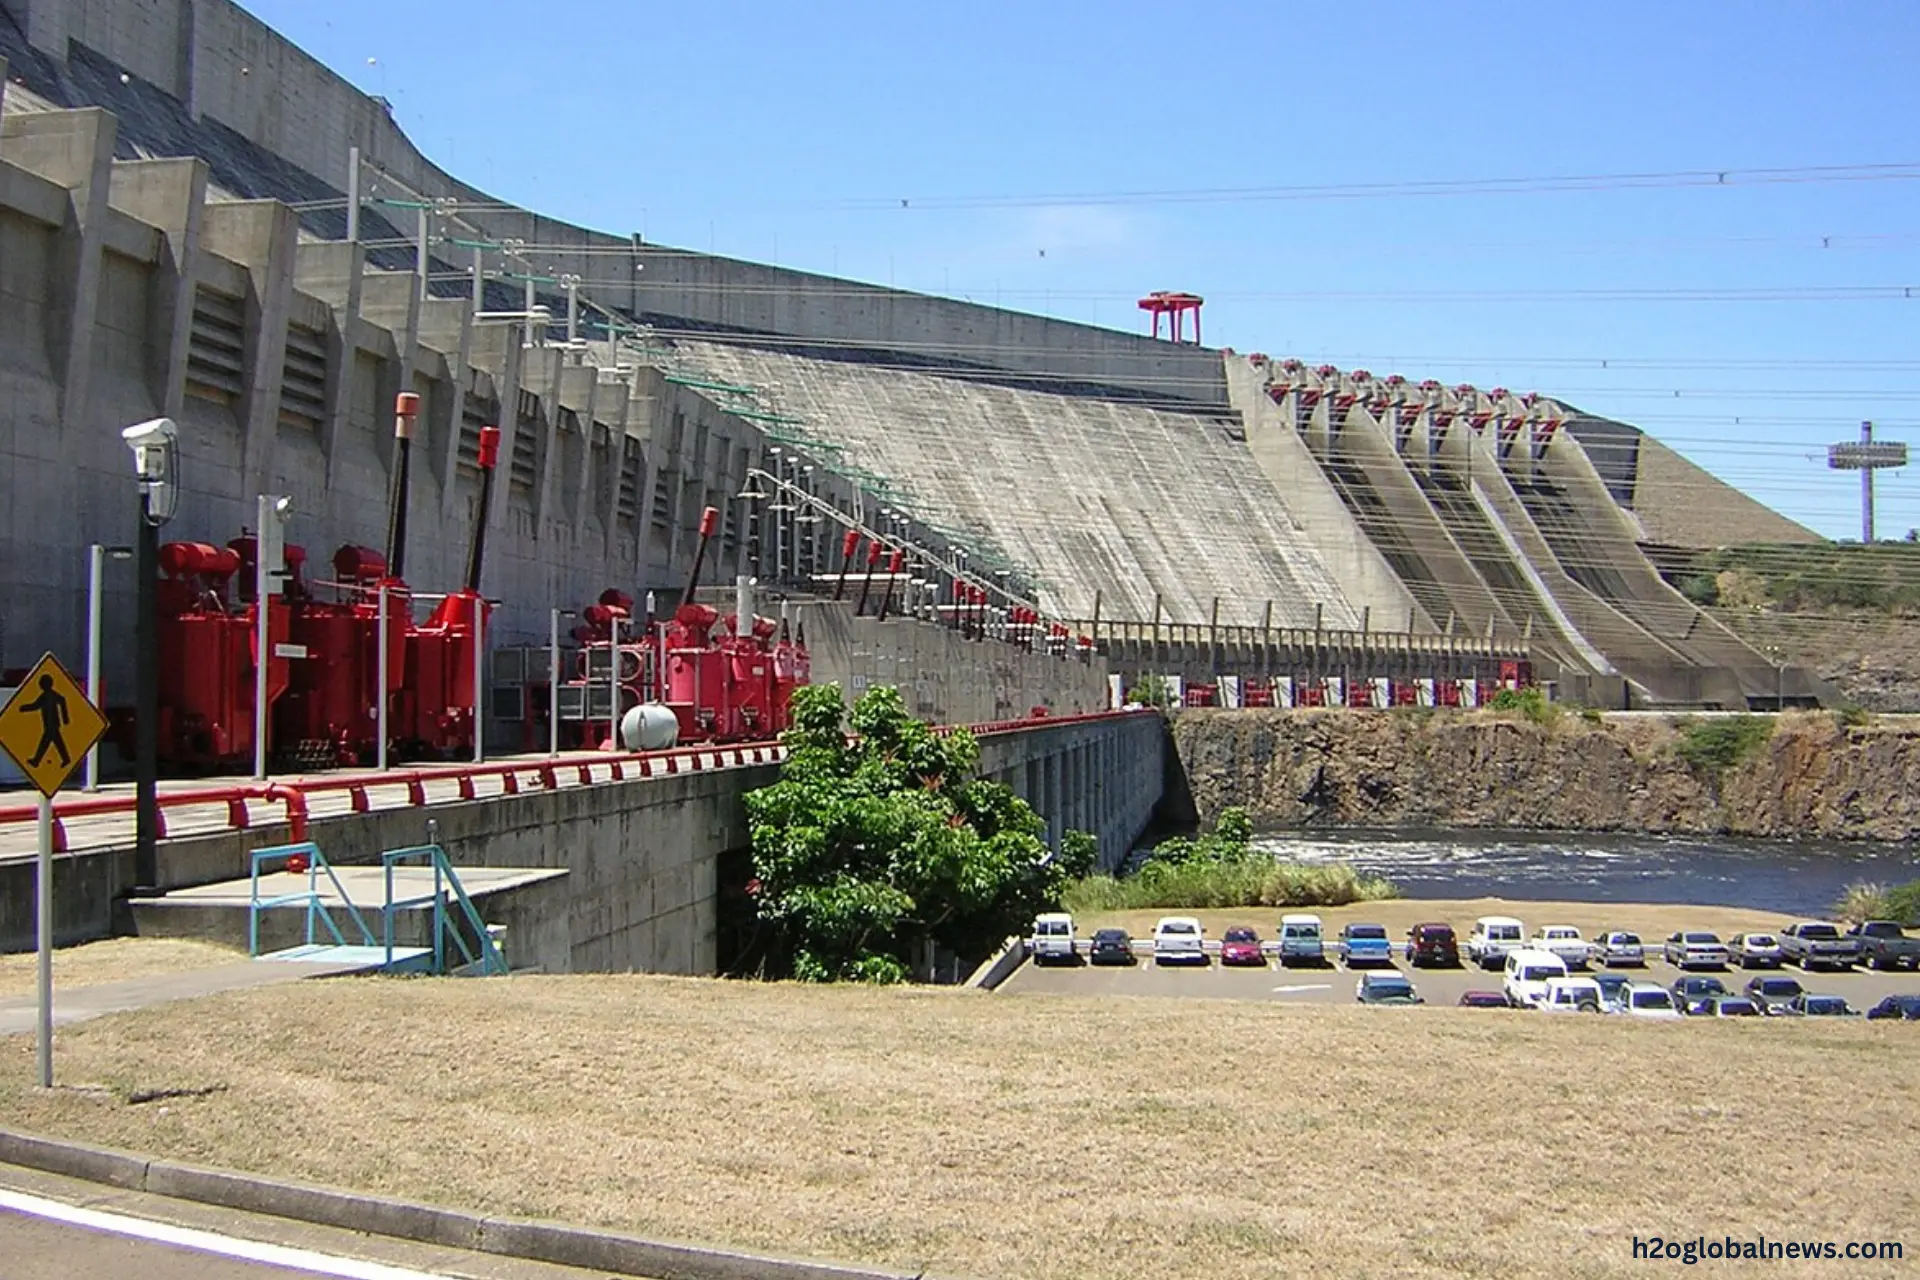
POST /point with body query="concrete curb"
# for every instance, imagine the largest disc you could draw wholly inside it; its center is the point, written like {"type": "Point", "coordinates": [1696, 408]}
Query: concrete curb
{"type": "Point", "coordinates": [534, 1241]}
{"type": "Point", "coordinates": [998, 967]}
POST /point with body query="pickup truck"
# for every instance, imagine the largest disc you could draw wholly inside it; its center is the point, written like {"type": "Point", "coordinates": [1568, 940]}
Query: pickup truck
{"type": "Point", "coordinates": [1563, 940]}
{"type": "Point", "coordinates": [1812, 944]}
{"type": "Point", "coordinates": [1883, 944]}
{"type": "Point", "coordinates": [1364, 944]}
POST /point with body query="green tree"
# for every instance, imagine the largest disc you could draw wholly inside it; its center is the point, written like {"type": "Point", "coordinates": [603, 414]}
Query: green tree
{"type": "Point", "coordinates": [869, 847]}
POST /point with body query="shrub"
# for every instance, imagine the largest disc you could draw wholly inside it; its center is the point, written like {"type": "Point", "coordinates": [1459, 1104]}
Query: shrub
{"type": "Point", "coordinates": [1531, 703]}
{"type": "Point", "coordinates": [1151, 691]}
{"type": "Point", "coordinates": [1864, 901]}
{"type": "Point", "coordinates": [1852, 716]}
{"type": "Point", "coordinates": [1722, 743]}
{"type": "Point", "coordinates": [1593, 715]}
{"type": "Point", "coordinates": [1222, 869]}
{"type": "Point", "coordinates": [1251, 882]}
{"type": "Point", "coordinates": [1903, 903]}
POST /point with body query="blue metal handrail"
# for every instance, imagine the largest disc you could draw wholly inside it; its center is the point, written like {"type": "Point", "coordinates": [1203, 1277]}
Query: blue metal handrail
{"type": "Point", "coordinates": [445, 881]}
{"type": "Point", "coordinates": [312, 898]}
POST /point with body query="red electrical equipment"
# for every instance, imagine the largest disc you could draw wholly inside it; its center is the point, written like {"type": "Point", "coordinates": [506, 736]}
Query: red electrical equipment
{"type": "Point", "coordinates": [434, 712]}
{"type": "Point", "coordinates": [207, 656]}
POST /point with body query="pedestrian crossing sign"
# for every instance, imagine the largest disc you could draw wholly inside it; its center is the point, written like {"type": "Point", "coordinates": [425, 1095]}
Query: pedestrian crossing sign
{"type": "Point", "coordinates": [49, 725]}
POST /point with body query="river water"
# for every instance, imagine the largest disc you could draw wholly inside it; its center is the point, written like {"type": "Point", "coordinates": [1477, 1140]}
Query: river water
{"type": "Point", "coordinates": [1791, 877]}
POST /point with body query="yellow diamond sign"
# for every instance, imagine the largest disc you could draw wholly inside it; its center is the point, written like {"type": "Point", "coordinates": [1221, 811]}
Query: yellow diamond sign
{"type": "Point", "coordinates": [48, 725]}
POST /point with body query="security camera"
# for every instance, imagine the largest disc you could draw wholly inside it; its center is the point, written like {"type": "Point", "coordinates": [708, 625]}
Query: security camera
{"type": "Point", "coordinates": [155, 445]}
{"type": "Point", "coordinates": [154, 431]}
{"type": "Point", "coordinates": [282, 508]}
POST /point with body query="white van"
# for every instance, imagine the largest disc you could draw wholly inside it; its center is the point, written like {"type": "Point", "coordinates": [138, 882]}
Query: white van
{"type": "Point", "coordinates": [1052, 938]}
{"type": "Point", "coordinates": [1492, 938]}
{"type": "Point", "coordinates": [1527, 975]}
{"type": "Point", "coordinates": [1302, 940]}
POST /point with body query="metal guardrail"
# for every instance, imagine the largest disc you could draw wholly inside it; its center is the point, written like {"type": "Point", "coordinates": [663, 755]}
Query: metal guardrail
{"type": "Point", "coordinates": [485, 953]}
{"type": "Point", "coordinates": [311, 897]}
{"type": "Point", "coordinates": [514, 777]}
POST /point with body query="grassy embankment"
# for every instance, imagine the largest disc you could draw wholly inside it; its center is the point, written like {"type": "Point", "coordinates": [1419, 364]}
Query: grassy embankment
{"type": "Point", "coordinates": [1038, 1136]}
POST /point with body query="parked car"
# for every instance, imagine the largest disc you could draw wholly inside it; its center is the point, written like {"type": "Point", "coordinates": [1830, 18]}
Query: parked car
{"type": "Point", "coordinates": [1906, 1007]}
{"type": "Point", "coordinates": [1386, 988]}
{"type": "Point", "coordinates": [1052, 941]}
{"type": "Point", "coordinates": [1562, 940]}
{"type": "Point", "coordinates": [1725, 1007]}
{"type": "Point", "coordinates": [1302, 940]}
{"type": "Point", "coordinates": [1773, 995]}
{"type": "Point", "coordinates": [1572, 995]}
{"type": "Point", "coordinates": [1433, 944]}
{"type": "Point", "coordinates": [1613, 991]}
{"type": "Point", "coordinates": [1241, 945]}
{"type": "Point", "coordinates": [1111, 946]}
{"type": "Point", "coordinates": [1179, 940]}
{"type": "Point", "coordinates": [1692, 990]}
{"type": "Point", "coordinates": [1815, 944]}
{"type": "Point", "coordinates": [1695, 950]}
{"type": "Point", "coordinates": [1492, 938]}
{"type": "Point", "coordinates": [1483, 1000]}
{"type": "Point", "coordinates": [1754, 950]}
{"type": "Point", "coordinates": [1808, 1005]}
{"type": "Point", "coordinates": [1527, 974]}
{"type": "Point", "coordinates": [1650, 1000]}
{"type": "Point", "coordinates": [1883, 944]}
{"type": "Point", "coordinates": [1364, 944]}
{"type": "Point", "coordinates": [1619, 948]}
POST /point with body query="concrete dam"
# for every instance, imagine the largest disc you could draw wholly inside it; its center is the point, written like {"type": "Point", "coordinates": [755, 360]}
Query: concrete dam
{"type": "Point", "coordinates": [201, 222]}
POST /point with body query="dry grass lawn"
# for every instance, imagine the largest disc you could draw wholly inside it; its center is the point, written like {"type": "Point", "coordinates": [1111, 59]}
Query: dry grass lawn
{"type": "Point", "coordinates": [1042, 1137]}
{"type": "Point", "coordinates": [1652, 922]}
{"type": "Point", "coordinates": [112, 960]}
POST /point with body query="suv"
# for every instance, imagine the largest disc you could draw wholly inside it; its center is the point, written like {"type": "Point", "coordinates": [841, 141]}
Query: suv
{"type": "Point", "coordinates": [1528, 973]}
{"type": "Point", "coordinates": [1573, 995]}
{"type": "Point", "coordinates": [1492, 938]}
{"type": "Point", "coordinates": [1432, 944]}
{"type": "Point", "coordinates": [1773, 995]}
{"type": "Point", "coordinates": [1301, 940]}
{"type": "Point", "coordinates": [1052, 939]}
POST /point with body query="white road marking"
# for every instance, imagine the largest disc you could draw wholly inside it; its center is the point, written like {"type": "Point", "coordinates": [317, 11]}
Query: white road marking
{"type": "Point", "coordinates": [273, 1255]}
{"type": "Point", "coordinates": [1307, 986]}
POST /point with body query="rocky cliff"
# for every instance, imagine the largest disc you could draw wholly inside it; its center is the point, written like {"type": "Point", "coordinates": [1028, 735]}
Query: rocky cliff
{"type": "Point", "coordinates": [1812, 776]}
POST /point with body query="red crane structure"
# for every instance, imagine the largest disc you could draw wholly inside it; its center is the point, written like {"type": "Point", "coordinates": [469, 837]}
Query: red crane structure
{"type": "Point", "coordinates": [1174, 306]}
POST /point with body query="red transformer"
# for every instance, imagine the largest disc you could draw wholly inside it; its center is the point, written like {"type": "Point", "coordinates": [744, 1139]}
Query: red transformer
{"type": "Point", "coordinates": [208, 655]}
{"type": "Point", "coordinates": [328, 714]}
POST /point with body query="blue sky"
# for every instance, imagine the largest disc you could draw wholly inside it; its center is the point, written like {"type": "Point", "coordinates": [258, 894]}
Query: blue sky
{"type": "Point", "coordinates": [1016, 133]}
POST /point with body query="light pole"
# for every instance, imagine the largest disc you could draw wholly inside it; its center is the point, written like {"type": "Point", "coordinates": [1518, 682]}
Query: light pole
{"type": "Point", "coordinates": [553, 679]}
{"type": "Point", "coordinates": [613, 682]}
{"type": "Point", "coordinates": [155, 445]}
{"type": "Point", "coordinates": [97, 556]}
{"type": "Point", "coordinates": [268, 555]}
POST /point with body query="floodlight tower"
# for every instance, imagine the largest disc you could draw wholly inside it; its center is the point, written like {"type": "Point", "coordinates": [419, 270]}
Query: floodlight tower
{"type": "Point", "coordinates": [1866, 456]}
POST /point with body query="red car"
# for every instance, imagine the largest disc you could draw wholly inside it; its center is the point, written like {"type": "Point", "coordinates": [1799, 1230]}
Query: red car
{"type": "Point", "coordinates": [1433, 944]}
{"type": "Point", "coordinates": [1241, 945]}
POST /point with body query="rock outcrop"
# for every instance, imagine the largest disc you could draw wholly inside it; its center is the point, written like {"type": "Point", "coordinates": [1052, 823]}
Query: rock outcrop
{"type": "Point", "coordinates": [1814, 777]}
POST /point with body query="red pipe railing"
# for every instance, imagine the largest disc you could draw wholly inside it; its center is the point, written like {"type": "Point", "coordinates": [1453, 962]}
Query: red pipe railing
{"type": "Point", "coordinates": [621, 767]}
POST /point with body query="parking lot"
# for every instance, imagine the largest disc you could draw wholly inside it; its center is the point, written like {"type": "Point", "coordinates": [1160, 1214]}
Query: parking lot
{"type": "Point", "coordinates": [1333, 983]}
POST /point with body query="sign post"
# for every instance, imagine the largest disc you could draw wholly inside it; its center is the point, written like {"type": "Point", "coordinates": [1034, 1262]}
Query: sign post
{"type": "Point", "coordinates": [48, 726]}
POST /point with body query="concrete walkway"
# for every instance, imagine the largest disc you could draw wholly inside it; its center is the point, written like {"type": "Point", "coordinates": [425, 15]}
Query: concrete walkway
{"type": "Point", "coordinates": [18, 1014]}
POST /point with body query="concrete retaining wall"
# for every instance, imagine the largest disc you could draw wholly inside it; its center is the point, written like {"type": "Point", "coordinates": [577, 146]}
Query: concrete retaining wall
{"type": "Point", "coordinates": [642, 856]}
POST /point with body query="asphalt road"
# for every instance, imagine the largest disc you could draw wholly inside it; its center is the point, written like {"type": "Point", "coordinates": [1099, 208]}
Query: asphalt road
{"type": "Point", "coordinates": [1334, 984]}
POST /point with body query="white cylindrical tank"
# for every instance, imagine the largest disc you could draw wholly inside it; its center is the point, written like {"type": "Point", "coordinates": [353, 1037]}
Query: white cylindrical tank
{"type": "Point", "coordinates": [649, 727]}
